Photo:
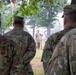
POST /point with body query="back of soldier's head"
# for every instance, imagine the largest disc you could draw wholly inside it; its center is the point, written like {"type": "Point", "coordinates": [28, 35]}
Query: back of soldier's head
{"type": "Point", "coordinates": [18, 20]}
{"type": "Point", "coordinates": [70, 13]}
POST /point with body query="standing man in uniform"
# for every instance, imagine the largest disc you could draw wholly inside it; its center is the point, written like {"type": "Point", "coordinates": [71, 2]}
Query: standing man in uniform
{"type": "Point", "coordinates": [27, 47]}
{"type": "Point", "coordinates": [52, 41]}
{"type": "Point", "coordinates": [7, 55]}
{"type": "Point", "coordinates": [38, 39]}
{"type": "Point", "coordinates": [63, 60]}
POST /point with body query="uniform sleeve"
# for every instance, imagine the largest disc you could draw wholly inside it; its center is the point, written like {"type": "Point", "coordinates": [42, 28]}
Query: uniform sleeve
{"type": "Point", "coordinates": [72, 54]}
{"type": "Point", "coordinates": [31, 50]}
{"type": "Point", "coordinates": [56, 61]}
{"type": "Point", "coordinates": [63, 60]}
{"type": "Point", "coordinates": [47, 51]}
{"type": "Point", "coordinates": [8, 56]}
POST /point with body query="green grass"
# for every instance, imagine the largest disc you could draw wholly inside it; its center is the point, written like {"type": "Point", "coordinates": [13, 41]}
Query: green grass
{"type": "Point", "coordinates": [37, 64]}
{"type": "Point", "coordinates": [38, 72]}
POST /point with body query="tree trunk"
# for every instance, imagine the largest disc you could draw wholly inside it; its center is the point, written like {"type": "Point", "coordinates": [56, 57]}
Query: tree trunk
{"type": "Point", "coordinates": [48, 31]}
{"type": "Point", "coordinates": [33, 30]}
{"type": "Point", "coordinates": [49, 16]}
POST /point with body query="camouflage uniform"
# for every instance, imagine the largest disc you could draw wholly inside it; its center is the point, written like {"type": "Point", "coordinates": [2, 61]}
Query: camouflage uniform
{"type": "Point", "coordinates": [7, 54]}
{"type": "Point", "coordinates": [63, 60]}
{"type": "Point", "coordinates": [25, 52]}
{"type": "Point", "coordinates": [51, 43]}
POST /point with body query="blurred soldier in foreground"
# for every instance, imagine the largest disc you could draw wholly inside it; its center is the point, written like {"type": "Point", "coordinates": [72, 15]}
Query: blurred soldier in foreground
{"type": "Point", "coordinates": [7, 55]}
{"type": "Point", "coordinates": [53, 40]}
{"type": "Point", "coordinates": [27, 47]}
{"type": "Point", "coordinates": [63, 60]}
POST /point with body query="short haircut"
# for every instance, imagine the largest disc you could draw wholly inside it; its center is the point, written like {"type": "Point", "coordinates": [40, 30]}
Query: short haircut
{"type": "Point", "coordinates": [18, 20]}
{"type": "Point", "coordinates": [70, 12]}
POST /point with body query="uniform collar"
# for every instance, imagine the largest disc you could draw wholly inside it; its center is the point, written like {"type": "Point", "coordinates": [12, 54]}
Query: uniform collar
{"type": "Point", "coordinates": [71, 26]}
{"type": "Point", "coordinates": [18, 28]}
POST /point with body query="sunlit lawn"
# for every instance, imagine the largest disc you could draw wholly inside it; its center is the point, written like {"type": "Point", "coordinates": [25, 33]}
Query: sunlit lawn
{"type": "Point", "coordinates": [38, 72]}
{"type": "Point", "coordinates": [37, 64]}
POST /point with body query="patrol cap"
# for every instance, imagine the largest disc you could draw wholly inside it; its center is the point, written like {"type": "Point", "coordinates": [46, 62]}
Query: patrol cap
{"type": "Point", "coordinates": [69, 10]}
{"type": "Point", "coordinates": [18, 20]}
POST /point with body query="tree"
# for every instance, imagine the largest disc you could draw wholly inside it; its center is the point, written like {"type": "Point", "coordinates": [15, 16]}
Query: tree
{"type": "Point", "coordinates": [5, 11]}
{"type": "Point", "coordinates": [30, 7]}
{"type": "Point", "coordinates": [47, 15]}
{"type": "Point", "coordinates": [33, 23]}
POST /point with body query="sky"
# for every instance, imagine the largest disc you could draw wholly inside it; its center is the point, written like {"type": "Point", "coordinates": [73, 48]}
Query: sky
{"type": "Point", "coordinates": [69, 0]}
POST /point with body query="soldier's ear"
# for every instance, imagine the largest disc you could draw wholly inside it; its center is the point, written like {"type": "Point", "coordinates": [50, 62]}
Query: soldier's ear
{"type": "Point", "coordinates": [65, 21]}
{"type": "Point", "coordinates": [13, 24]}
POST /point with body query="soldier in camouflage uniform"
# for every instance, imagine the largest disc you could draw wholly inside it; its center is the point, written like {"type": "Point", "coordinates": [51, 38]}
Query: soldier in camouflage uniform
{"type": "Point", "coordinates": [7, 54]}
{"type": "Point", "coordinates": [51, 43]}
{"type": "Point", "coordinates": [63, 60]}
{"type": "Point", "coordinates": [27, 48]}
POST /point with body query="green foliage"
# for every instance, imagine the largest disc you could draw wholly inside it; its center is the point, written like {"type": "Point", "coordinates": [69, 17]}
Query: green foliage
{"type": "Point", "coordinates": [42, 22]}
{"type": "Point", "coordinates": [27, 9]}
{"type": "Point", "coordinates": [33, 7]}
{"type": "Point", "coordinates": [46, 16]}
{"type": "Point", "coordinates": [0, 5]}
{"type": "Point", "coordinates": [10, 21]}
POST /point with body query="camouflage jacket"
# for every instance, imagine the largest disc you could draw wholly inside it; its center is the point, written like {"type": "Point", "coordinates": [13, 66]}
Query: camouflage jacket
{"type": "Point", "coordinates": [63, 60]}
{"type": "Point", "coordinates": [7, 54]}
{"type": "Point", "coordinates": [25, 53]}
{"type": "Point", "coordinates": [51, 43]}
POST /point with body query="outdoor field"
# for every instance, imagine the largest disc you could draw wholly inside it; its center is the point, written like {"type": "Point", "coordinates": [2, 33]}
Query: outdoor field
{"type": "Point", "coordinates": [37, 64]}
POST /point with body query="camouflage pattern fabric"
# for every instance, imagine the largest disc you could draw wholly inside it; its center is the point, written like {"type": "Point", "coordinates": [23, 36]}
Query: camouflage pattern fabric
{"type": "Point", "coordinates": [7, 53]}
{"type": "Point", "coordinates": [51, 43]}
{"type": "Point", "coordinates": [63, 60]}
{"type": "Point", "coordinates": [25, 53]}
